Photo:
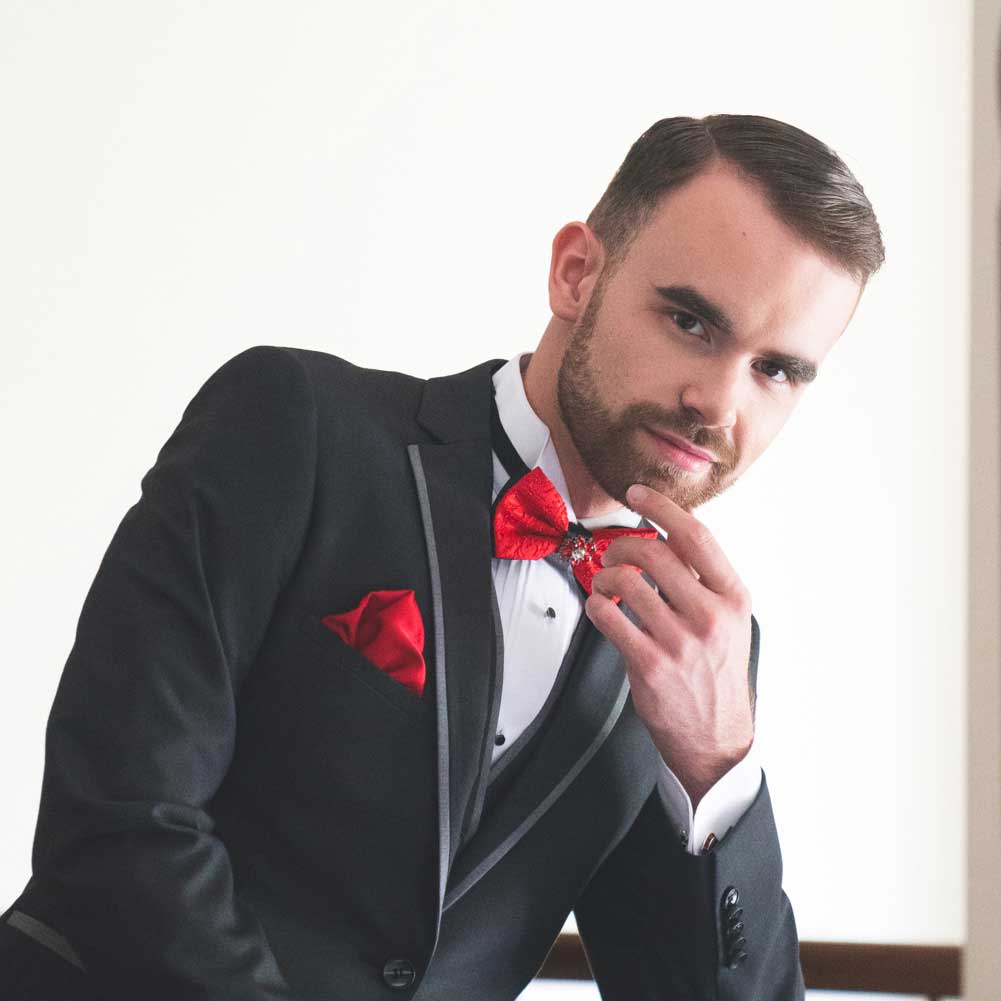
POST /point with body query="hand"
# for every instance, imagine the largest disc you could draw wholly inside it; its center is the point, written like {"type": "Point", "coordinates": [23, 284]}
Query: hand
{"type": "Point", "coordinates": [687, 664]}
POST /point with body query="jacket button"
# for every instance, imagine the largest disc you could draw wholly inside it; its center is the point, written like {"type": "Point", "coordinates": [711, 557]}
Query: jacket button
{"type": "Point", "coordinates": [731, 896]}
{"type": "Point", "coordinates": [737, 960]}
{"type": "Point", "coordinates": [398, 973]}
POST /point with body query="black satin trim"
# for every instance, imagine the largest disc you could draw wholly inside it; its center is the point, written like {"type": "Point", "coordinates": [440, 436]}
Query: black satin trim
{"type": "Point", "coordinates": [512, 462]}
{"type": "Point", "coordinates": [514, 465]}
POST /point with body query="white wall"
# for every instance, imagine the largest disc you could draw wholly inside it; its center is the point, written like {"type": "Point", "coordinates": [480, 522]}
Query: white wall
{"type": "Point", "coordinates": [182, 180]}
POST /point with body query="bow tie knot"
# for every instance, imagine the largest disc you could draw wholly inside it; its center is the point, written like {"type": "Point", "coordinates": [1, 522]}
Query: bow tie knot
{"type": "Point", "coordinates": [530, 521]}
{"type": "Point", "coordinates": [576, 545]}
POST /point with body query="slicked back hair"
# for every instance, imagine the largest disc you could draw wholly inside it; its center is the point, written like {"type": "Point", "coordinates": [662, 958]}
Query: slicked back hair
{"type": "Point", "coordinates": [805, 182]}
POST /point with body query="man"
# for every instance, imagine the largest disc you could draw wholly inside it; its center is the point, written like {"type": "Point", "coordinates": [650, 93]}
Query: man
{"type": "Point", "coordinates": [334, 726]}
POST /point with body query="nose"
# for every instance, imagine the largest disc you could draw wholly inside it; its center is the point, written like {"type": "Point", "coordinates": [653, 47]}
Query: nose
{"type": "Point", "coordinates": [711, 397]}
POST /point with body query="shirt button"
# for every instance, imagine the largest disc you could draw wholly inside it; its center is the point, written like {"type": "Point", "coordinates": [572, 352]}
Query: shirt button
{"type": "Point", "coordinates": [499, 740]}
{"type": "Point", "coordinates": [551, 612]}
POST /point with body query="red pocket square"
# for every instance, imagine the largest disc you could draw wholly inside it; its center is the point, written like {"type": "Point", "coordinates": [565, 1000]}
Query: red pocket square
{"type": "Point", "coordinates": [386, 627]}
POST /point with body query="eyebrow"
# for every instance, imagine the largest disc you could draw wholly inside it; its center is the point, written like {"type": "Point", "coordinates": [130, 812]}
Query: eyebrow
{"type": "Point", "coordinates": [691, 299]}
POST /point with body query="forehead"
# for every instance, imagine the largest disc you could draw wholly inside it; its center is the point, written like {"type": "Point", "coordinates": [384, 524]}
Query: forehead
{"type": "Point", "coordinates": [719, 235]}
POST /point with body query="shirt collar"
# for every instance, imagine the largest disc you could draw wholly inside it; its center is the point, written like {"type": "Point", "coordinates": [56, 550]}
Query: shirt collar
{"type": "Point", "coordinates": [530, 437]}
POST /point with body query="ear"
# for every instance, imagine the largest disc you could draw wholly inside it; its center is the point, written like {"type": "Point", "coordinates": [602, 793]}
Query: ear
{"type": "Point", "coordinates": [577, 260]}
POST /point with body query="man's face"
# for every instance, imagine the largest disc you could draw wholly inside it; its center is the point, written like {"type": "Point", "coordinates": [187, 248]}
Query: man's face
{"type": "Point", "coordinates": [646, 354]}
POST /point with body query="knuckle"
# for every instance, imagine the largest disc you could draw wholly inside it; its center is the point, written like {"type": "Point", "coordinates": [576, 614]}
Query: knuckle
{"type": "Point", "coordinates": [616, 577]}
{"type": "Point", "coordinates": [701, 536]}
{"type": "Point", "coordinates": [645, 661]}
{"type": "Point", "coordinates": [742, 598]}
{"type": "Point", "coordinates": [706, 628]}
{"type": "Point", "coordinates": [614, 548]}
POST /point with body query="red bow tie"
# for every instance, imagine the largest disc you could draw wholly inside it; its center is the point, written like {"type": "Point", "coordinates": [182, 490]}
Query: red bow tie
{"type": "Point", "coordinates": [530, 521]}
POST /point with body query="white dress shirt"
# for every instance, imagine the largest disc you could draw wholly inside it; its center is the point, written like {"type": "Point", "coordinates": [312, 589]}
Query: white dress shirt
{"type": "Point", "coordinates": [535, 640]}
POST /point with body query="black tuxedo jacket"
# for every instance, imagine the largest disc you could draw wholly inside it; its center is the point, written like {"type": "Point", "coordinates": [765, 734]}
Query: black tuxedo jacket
{"type": "Point", "coordinates": [237, 804]}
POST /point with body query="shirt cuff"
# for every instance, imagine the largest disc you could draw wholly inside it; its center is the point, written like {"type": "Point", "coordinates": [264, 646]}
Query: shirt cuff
{"type": "Point", "coordinates": [721, 807]}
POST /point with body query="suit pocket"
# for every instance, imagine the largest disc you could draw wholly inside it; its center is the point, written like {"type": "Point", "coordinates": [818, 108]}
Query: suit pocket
{"type": "Point", "coordinates": [337, 655]}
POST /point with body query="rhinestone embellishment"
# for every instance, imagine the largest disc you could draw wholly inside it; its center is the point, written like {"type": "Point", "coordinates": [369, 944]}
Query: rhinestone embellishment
{"type": "Point", "coordinates": [576, 547]}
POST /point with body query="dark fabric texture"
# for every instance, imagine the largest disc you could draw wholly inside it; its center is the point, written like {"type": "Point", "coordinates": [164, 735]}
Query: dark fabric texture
{"type": "Point", "coordinates": [641, 950]}
{"type": "Point", "coordinates": [237, 804]}
{"type": "Point", "coordinates": [31, 972]}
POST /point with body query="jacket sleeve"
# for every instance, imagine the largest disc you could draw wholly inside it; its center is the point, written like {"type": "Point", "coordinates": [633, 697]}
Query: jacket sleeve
{"type": "Point", "coordinates": [661, 924]}
{"type": "Point", "coordinates": [142, 727]}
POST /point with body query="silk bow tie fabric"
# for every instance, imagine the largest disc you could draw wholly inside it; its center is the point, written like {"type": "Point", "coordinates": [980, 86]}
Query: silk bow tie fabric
{"type": "Point", "coordinates": [531, 521]}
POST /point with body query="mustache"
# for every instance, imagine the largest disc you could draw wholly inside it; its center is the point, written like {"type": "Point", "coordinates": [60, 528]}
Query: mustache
{"type": "Point", "coordinates": [648, 414]}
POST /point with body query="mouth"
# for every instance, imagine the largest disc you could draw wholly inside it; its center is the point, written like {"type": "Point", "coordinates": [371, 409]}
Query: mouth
{"type": "Point", "coordinates": [683, 446]}
{"type": "Point", "coordinates": [681, 452]}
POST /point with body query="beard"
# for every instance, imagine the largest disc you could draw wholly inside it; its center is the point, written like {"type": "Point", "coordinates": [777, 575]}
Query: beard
{"type": "Point", "coordinates": [611, 444]}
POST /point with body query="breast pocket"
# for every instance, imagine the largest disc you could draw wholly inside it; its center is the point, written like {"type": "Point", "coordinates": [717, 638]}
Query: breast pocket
{"type": "Point", "coordinates": [345, 663]}
{"type": "Point", "coordinates": [322, 727]}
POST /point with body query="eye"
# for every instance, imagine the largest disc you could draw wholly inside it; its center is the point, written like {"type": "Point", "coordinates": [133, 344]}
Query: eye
{"type": "Point", "coordinates": [788, 380]}
{"type": "Point", "coordinates": [691, 324]}
{"type": "Point", "coordinates": [687, 322]}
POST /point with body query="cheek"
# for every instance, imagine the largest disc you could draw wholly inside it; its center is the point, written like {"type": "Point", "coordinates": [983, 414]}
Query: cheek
{"type": "Point", "coordinates": [620, 368]}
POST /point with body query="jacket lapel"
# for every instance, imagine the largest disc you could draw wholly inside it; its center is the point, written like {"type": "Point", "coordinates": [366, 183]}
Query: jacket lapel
{"type": "Point", "coordinates": [580, 721]}
{"type": "Point", "coordinates": [454, 481]}
{"type": "Point", "coordinates": [578, 724]}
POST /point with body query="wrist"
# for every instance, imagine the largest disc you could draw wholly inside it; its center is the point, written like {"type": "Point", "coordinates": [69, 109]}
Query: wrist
{"type": "Point", "coordinates": [699, 772]}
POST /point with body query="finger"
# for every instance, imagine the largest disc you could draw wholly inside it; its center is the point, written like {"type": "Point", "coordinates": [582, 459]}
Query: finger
{"type": "Point", "coordinates": [656, 617]}
{"type": "Point", "coordinates": [688, 537]}
{"type": "Point", "coordinates": [673, 578]}
{"type": "Point", "coordinates": [611, 621]}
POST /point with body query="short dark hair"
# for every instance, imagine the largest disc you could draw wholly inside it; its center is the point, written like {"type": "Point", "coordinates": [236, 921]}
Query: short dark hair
{"type": "Point", "coordinates": [806, 183]}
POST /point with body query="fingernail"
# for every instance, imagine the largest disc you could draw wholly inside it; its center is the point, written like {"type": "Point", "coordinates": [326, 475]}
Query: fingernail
{"type": "Point", "coordinates": [636, 493]}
